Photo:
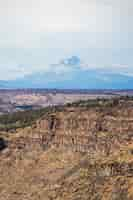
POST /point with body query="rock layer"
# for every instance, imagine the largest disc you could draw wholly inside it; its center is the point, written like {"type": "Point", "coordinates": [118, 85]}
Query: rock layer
{"type": "Point", "coordinates": [87, 130]}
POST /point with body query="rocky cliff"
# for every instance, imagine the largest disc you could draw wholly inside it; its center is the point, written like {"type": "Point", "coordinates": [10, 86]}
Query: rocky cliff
{"type": "Point", "coordinates": [75, 153]}
{"type": "Point", "coordinates": [92, 130]}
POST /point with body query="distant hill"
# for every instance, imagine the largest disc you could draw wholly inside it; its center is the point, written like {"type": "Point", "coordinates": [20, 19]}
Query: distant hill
{"type": "Point", "coordinates": [78, 79]}
{"type": "Point", "coordinates": [4, 84]}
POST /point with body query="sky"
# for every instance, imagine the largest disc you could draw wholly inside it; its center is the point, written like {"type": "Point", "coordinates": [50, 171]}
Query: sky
{"type": "Point", "coordinates": [43, 36]}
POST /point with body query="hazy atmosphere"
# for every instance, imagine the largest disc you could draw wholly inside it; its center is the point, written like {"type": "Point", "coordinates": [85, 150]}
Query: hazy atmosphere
{"type": "Point", "coordinates": [66, 43]}
{"type": "Point", "coordinates": [66, 99]}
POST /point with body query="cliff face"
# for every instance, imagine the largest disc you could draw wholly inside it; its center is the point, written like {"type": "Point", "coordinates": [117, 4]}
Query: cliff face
{"type": "Point", "coordinates": [76, 153]}
{"type": "Point", "coordinates": [87, 130]}
{"type": "Point", "coordinates": [92, 131]}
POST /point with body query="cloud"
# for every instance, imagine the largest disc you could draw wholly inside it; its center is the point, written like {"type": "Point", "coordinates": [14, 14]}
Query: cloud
{"type": "Point", "coordinates": [24, 19]}
{"type": "Point", "coordinates": [36, 35]}
{"type": "Point", "coordinates": [59, 15]}
{"type": "Point", "coordinates": [62, 67]}
{"type": "Point", "coordinates": [75, 64]}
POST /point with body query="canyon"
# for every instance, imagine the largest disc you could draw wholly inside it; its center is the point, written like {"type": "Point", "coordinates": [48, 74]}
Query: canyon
{"type": "Point", "coordinates": [74, 153]}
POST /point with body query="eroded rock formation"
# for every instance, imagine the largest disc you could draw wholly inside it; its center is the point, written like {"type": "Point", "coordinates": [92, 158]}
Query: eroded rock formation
{"type": "Point", "coordinates": [87, 130]}
{"type": "Point", "coordinates": [76, 153]}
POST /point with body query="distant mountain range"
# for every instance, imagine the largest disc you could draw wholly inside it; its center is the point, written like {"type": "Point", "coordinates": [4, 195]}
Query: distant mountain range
{"type": "Point", "coordinates": [80, 80]}
{"type": "Point", "coordinates": [4, 84]}
{"type": "Point", "coordinates": [76, 75]}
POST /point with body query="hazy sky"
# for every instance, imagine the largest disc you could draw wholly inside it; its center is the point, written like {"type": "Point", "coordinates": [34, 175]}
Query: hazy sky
{"type": "Point", "coordinates": [35, 34]}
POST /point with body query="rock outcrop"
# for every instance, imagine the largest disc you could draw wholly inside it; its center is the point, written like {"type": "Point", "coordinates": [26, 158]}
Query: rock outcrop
{"type": "Point", "coordinates": [87, 130]}
{"type": "Point", "coordinates": [75, 153]}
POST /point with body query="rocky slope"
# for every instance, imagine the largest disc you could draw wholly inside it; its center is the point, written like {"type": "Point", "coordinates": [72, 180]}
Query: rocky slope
{"type": "Point", "coordinates": [76, 153]}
